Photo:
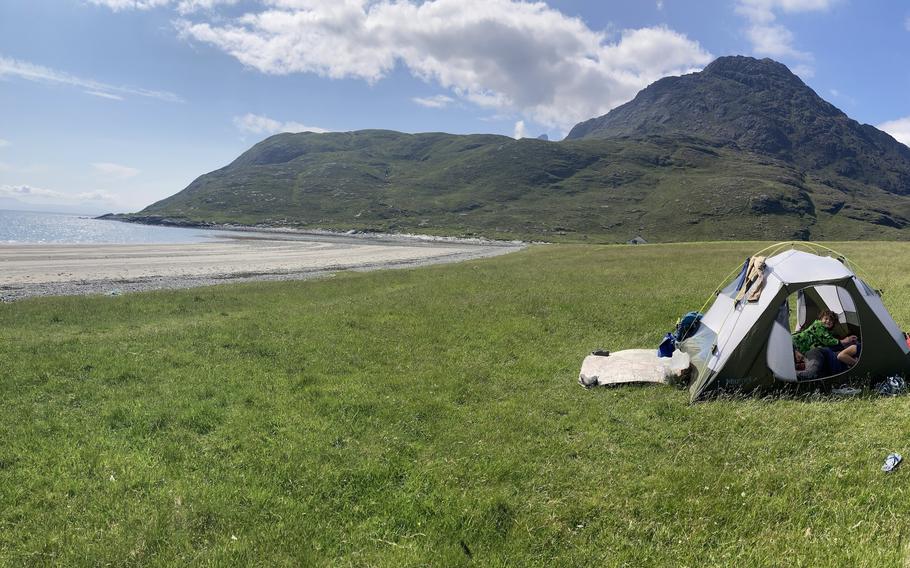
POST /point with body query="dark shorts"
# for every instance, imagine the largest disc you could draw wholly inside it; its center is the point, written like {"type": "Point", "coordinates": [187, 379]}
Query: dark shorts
{"type": "Point", "coordinates": [831, 366]}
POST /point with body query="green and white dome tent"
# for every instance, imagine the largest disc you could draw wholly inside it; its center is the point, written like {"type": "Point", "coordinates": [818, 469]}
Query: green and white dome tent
{"type": "Point", "coordinates": [744, 341]}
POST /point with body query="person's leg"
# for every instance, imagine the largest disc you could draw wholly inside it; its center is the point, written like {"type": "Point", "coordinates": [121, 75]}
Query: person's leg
{"type": "Point", "coordinates": [847, 356]}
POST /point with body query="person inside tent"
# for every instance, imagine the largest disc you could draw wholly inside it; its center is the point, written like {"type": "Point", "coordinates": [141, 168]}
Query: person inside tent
{"type": "Point", "coordinates": [823, 354]}
{"type": "Point", "coordinates": [817, 363]}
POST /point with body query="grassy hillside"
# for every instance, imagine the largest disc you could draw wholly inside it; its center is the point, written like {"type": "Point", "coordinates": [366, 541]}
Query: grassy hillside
{"type": "Point", "coordinates": [428, 417]}
{"type": "Point", "coordinates": [586, 190]}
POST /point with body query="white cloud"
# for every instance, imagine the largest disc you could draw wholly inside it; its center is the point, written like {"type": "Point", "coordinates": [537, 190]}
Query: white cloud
{"type": "Point", "coordinates": [4, 143]}
{"type": "Point", "coordinates": [104, 95]}
{"type": "Point", "coordinates": [660, 4]}
{"type": "Point", "coordinates": [95, 196]}
{"type": "Point", "coordinates": [183, 6]}
{"type": "Point", "coordinates": [501, 54]}
{"type": "Point", "coordinates": [841, 96]}
{"type": "Point", "coordinates": [187, 6]}
{"type": "Point", "coordinates": [774, 41]}
{"type": "Point", "coordinates": [763, 11]}
{"type": "Point", "coordinates": [32, 194]}
{"type": "Point", "coordinates": [899, 128]}
{"type": "Point", "coordinates": [26, 191]}
{"type": "Point", "coordinates": [771, 39]}
{"type": "Point", "coordinates": [117, 171]}
{"type": "Point", "coordinates": [436, 101]}
{"type": "Point", "coordinates": [803, 71]}
{"type": "Point", "coordinates": [118, 5]}
{"type": "Point", "coordinates": [907, 23]}
{"type": "Point", "coordinates": [520, 131]}
{"type": "Point", "coordinates": [258, 124]}
{"type": "Point", "coordinates": [40, 74]}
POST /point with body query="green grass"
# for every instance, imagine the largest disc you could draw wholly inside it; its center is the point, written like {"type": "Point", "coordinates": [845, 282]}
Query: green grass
{"type": "Point", "coordinates": [665, 188]}
{"type": "Point", "coordinates": [428, 417]}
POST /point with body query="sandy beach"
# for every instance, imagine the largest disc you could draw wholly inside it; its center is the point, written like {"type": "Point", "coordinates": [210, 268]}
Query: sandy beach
{"type": "Point", "coordinates": [40, 270]}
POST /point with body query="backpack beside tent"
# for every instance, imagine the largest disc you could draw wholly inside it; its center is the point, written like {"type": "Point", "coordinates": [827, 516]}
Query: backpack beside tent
{"type": "Point", "coordinates": [744, 341]}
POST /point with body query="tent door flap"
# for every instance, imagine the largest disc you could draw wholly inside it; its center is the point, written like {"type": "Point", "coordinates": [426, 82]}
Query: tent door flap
{"type": "Point", "coordinates": [780, 347]}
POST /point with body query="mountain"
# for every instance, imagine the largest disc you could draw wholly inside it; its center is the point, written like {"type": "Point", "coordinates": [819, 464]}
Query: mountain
{"type": "Point", "coordinates": [760, 106]}
{"type": "Point", "coordinates": [741, 150]}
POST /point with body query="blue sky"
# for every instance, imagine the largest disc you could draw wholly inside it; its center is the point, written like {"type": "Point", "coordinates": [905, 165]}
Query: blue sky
{"type": "Point", "coordinates": [110, 105]}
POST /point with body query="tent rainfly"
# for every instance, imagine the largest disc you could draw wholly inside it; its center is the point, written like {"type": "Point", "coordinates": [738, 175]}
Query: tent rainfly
{"type": "Point", "coordinates": [744, 341]}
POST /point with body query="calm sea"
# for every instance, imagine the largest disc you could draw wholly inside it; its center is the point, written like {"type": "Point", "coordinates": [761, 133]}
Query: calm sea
{"type": "Point", "coordinates": [27, 227]}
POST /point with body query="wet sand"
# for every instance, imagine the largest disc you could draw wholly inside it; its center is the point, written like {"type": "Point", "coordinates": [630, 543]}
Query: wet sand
{"type": "Point", "coordinates": [42, 270]}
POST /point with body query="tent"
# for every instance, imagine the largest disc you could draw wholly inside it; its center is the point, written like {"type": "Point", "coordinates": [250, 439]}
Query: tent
{"type": "Point", "coordinates": [744, 341]}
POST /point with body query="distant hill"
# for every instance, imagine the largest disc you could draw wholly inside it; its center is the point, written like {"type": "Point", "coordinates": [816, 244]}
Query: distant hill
{"type": "Point", "coordinates": [760, 106]}
{"type": "Point", "coordinates": [740, 150]}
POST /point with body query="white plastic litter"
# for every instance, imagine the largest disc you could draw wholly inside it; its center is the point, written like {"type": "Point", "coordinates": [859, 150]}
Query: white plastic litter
{"type": "Point", "coordinates": [633, 366]}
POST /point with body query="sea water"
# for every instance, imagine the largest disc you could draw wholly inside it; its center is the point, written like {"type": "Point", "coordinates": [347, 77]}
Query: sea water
{"type": "Point", "coordinates": [28, 227]}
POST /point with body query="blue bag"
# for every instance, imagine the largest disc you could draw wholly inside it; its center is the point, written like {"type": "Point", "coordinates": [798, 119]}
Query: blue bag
{"type": "Point", "coordinates": [687, 326]}
{"type": "Point", "coordinates": [667, 346]}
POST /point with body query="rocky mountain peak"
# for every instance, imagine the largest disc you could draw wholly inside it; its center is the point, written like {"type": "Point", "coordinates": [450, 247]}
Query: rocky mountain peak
{"type": "Point", "coordinates": [758, 105]}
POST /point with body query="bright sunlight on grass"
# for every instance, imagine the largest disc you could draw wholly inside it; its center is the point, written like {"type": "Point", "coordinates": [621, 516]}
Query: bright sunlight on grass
{"type": "Point", "coordinates": [428, 417]}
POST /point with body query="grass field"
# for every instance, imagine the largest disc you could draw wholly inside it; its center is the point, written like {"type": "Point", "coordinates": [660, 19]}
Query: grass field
{"type": "Point", "coordinates": [429, 417]}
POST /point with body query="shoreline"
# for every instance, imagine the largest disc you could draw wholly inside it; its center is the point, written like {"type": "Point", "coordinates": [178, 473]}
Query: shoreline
{"type": "Point", "coordinates": [269, 229]}
{"type": "Point", "coordinates": [34, 270]}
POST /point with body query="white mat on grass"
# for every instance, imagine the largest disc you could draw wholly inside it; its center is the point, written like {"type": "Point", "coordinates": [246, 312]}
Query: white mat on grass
{"type": "Point", "coordinates": [633, 366]}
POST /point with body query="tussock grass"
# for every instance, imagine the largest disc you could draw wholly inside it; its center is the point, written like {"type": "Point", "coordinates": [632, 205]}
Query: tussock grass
{"type": "Point", "coordinates": [428, 417]}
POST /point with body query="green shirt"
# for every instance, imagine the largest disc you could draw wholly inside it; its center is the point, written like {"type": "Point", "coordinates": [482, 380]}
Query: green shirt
{"type": "Point", "coordinates": [816, 335]}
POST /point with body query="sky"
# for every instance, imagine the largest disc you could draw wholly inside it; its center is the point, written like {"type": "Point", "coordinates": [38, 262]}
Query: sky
{"type": "Point", "coordinates": [111, 105]}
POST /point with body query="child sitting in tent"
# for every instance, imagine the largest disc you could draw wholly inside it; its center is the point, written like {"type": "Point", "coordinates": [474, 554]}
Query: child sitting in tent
{"type": "Point", "coordinates": [819, 335]}
{"type": "Point", "coordinates": [818, 362]}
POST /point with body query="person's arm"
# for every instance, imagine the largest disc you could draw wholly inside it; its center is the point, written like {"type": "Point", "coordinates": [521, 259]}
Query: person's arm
{"type": "Point", "coordinates": [802, 340]}
{"type": "Point", "coordinates": [816, 335]}
{"type": "Point", "coordinates": [820, 335]}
